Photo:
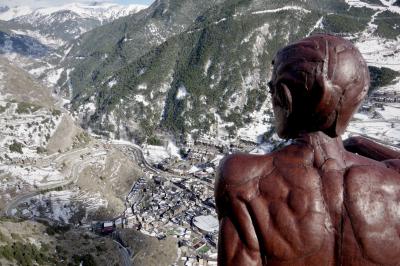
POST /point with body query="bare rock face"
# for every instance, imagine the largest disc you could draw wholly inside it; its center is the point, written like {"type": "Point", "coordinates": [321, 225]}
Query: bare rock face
{"type": "Point", "coordinates": [148, 250]}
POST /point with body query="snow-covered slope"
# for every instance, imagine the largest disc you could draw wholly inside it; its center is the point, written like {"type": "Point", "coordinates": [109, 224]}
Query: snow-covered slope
{"type": "Point", "coordinates": [55, 26]}
{"type": "Point", "coordinates": [100, 11]}
{"type": "Point", "coordinates": [8, 13]}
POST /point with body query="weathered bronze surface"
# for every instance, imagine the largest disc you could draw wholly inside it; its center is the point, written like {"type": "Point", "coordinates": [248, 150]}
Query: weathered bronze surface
{"type": "Point", "coordinates": [312, 202]}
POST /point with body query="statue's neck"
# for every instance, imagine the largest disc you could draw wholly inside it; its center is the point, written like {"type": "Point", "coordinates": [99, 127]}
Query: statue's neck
{"type": "Point", "coordinates": [327, 150]}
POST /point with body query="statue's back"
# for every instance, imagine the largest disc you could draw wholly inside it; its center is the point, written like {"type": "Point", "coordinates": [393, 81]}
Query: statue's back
{"type": "Point", "coordinates": [314, 204]}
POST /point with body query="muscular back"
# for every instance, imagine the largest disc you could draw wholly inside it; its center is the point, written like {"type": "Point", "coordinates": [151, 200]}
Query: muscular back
{"type": "Point", "coordinates": [311, 203]}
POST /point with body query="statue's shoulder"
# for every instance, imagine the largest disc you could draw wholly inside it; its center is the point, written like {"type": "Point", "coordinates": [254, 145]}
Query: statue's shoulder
{"type": "Point", "coordinates": [372, 202]}
{"type": "Point", "coordinates": [240, 168]}
{"type": "Point", "coordinates": [238, 175]}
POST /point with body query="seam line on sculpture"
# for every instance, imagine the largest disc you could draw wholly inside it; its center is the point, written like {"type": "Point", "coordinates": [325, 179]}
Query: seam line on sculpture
{"type": "Point", "coordinates": [261, 243]}
{"type": "Point", "coordinates": [345, 208]}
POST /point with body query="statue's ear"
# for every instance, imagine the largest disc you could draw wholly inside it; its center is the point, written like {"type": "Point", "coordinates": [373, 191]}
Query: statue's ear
{"type": "Point", "coordinates": [286, 98]}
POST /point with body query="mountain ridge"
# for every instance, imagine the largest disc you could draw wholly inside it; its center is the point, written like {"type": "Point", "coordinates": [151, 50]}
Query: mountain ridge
{"type": "Point", "coordinates": [56, 26]}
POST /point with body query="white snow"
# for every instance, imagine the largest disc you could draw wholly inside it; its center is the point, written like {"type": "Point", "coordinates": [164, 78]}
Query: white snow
{"type": "Point", "coordinates": [318, 25]}
{"type": "Point", "coordinates": [217, 159]}
{"type": "Point", "coordinates": [88, 108]}
{"type": "Point", "coordinates": [14, 12]}
{"type": "Point", "coordinates": [157, 154]}
{"type": "Point", "coordinates": [360, 116]}
{"type": "Point", "coordinates": [111, 83]}
{"type": "Point", "coordinates": [172, 149]}
{"type": "Point", "coordinates": [54, 75]}
{"type": "Point", "coordinates": [219, 21]}
{"type": "Point", "coordinates": [207, 66]}
{"type": "Point", "coordinates": [388, 5]}
{"type": "Point", "coordinates": [142, 86]}
{"type": "Point", "coordinates": [61, 205]}
{"type": "Point", "coordinates": [389, 112]}
{"type": "Point", "coordinates": [101, 11]}
{"type": "Point", "coordinates": [380, 130]}
{"type": "Point", "coordinates": [154, 30]}
{"type": "Point", "coordinates": [141, 99]}
{"type": "Point", "coordinates": [194, 169]}
{"type": "Point", "coordinates": [285, 8]}
{"type": "Point", "coordinates": [380, 52]}
{"type": "Point", "coordinates": [38, 71]}
{"type": "Point", "coordinates": [34, 176]}
{"type": "Point", "coordinates": [182, 93]}
{"type": "Point", "coordinates": [66, 53]}
{"type": "Point", "coordinates": [44, 39]}
{"type": "Point", "coordinates": [253, 131]}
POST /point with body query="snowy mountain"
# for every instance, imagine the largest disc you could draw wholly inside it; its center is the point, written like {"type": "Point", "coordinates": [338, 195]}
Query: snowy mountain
{"type": "Point", "coordinates": [8, 13]}
{"type": "Point", "coordinates": [22, 44]}
{"type": "Point", "coordinates": [199, 68]}
{"type": "Point", "coordinates": [105, 12]}
{"type": "Point", "coordinates": [55, 26]}
{"type": "Point", "coordinates": [100, 11]}
{"type": "Point", "coordinates": [208, 77]}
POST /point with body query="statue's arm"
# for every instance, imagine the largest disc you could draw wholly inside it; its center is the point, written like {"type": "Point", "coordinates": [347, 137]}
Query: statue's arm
{"type": "Point", "coordinates": [238, 242]}
{"type": "Point", "coordinates": [370, 149]}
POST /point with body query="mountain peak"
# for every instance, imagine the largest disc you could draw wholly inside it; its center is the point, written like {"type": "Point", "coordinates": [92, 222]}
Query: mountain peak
{"type": "Point", "coordinates": [8, 13]}
{"type": "Point", "coordinates": [102, 11]}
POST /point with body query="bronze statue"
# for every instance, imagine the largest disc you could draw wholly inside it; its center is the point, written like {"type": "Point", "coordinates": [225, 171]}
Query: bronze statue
{"type": "Point", "coordinates": [312, 202]}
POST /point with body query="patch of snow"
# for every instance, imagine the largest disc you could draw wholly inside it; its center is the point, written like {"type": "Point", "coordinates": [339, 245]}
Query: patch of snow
{"type": "Point", "coordinates": [388, 5]}
{"type": "Point", "coordinates": [154, 30]}
{"type": "Point", "coordinates": [111, 83]}
{"type": "Point", "coordinates": [286, 8]}
{"type": "Point", "coordinates": [194, 169]}
{"type": "Point", "coordinates": [54, 75]}
{"type": "Point", "coordinates": [44, 39]}
{"type": "Point", "coordinates": [89, 108]}
{"type": "Point", "coordinates": [14, 12]}
{"type": "Point", "coordinates": [140, 98]}
{"type": "Point", "coordinates": [40, 177]}
{"type": "Point", "coordinates": [66, 53]}
{"type": "Point", "coordinates": [380, 130]}
{"type": "Point", "coordinates": [262, 149]}
{"type": "Point", "coordinates": [207, 66]}
{"type": "Point", "coordinates": [380, 52]}
{"type": "Point", "coordinates": [142, 86]}
{"type": "Point", "coordinates": [61, 205]}
{"type": "Point", "coordinates": [219, 21]}
{"type": "Point", "coordinates": [182, 93]}
{"type": "Point", "coordinates": [101, 11]}
{"type": "Point", "coordinates": [155, 154]}
{"type": "Point", "coordinates": [360, 116]}
{"type": "Point", "coordinates": [172, 149]}
{"type": "Point", "coordinates": [318, 25]}
{"type": "Point", "coordinates": [389, 112]}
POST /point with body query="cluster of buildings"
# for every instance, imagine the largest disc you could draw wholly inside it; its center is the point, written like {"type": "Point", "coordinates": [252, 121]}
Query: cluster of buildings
{"type": "Point", "coordinates": [385, 97]}
{"type": "Point", "coordinates": [183, 207]}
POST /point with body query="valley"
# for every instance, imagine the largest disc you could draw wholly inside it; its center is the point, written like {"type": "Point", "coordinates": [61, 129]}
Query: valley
{"type": "Point", "coordinates": [112, 126]}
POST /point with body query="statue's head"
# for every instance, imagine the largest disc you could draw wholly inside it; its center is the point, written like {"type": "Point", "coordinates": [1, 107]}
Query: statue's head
{"type": "Point", "coordinates": [317, 84]}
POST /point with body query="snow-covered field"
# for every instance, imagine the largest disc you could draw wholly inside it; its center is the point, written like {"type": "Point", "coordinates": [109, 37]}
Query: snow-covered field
{"type": "Point", "coordinates": [102, 11]}
{"type": "Point", "coordinates": [62, 205]}
{"type": "Point", "coordinates": [382, 123]}
{"type": "Point", "coordinates": [157, 154]}
{"type": "Point", "coordinates": [32, 130]}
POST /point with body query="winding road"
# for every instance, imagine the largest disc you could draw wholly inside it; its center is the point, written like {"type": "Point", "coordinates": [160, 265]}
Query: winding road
{"type": "Point", "coordinates": [73, 177]}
